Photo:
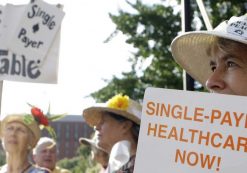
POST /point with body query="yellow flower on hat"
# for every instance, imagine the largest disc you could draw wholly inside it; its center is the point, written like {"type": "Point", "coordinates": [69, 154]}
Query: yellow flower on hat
{"type": "Point", "coordinates": [119, 102]}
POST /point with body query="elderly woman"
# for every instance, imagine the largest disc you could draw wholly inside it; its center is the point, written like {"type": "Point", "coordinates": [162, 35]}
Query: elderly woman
{"type": "Point", "coordinates": [117, 125]}
{"type": "Point", "coordinates": [19, 135]}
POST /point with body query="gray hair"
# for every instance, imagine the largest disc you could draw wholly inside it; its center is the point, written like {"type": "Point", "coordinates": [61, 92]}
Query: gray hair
{"type": "Point", "coordinates": [41, 142]}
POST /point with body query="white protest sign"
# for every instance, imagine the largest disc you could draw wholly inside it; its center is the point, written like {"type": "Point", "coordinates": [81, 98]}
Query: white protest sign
{"type": "Point", "coordinates": [191, 132]}
{"type": "Point", "coordinates": [1, 22]}
{"type": "Point", "coordinates": [11, 14]}
{"type": "Point", "coordinates": [36, 30]}
{"type": "Point", "coordinates": [19, 68]}
{"type": "Point", "coordinates": [1, 13]}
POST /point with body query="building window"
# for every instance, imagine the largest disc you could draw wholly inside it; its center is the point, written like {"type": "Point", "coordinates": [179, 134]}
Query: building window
{"type": "Point", "coordinates": [76, 131]}
{"type": "Point", "coordinates": [67, 131]}
{"type": "Point", "coordinates": [58, 130]}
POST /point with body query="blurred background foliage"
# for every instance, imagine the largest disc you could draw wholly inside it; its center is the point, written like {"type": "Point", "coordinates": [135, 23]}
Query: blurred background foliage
{"type": "Point", "coordinates": [81, 163]}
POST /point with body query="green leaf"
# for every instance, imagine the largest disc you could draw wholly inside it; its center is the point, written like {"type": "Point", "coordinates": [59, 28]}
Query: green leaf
{"type": "Point", "coordinates": [49, 111]}
{"type": "Point", "coordinates": [30, 105]}
{"type": "Point", "coordinates": [51, 132]}
{"type": "Point", "coordinates": [28, 119]}
{"type": "Point", "coordinates": [56, 117]}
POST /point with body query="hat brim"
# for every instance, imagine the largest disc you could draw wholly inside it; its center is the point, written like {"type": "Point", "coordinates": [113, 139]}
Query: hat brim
{"type": "Point", "coordinates": [93, 115]}
{"type": "Point", "coordinates": [88, 142]}
{"type": "Point", "coordinates": [190, 51]}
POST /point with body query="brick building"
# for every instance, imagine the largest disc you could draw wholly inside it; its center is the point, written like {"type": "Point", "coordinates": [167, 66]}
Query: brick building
{"type": "Point", "coordinates": [69, 129]}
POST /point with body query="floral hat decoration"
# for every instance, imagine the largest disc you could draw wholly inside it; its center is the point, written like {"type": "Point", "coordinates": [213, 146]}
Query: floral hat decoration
{"type": "Point", "coordinates": [119, 104]}
{"type": "Point", "coordinates": [42, 119]}
{"type": "Point", "coordinates": [36, 121]}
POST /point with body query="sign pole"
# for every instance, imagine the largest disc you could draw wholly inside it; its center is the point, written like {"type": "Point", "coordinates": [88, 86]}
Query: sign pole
{"type": "Point", "coordinates": [186, 22]}
{"type": "Point", "coordinates": [1, 93]}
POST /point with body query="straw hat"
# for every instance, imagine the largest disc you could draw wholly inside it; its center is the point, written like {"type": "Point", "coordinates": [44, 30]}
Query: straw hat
{"type": "Point", "coordinates": [32, 125]}
{"type": "Point", "coordinates": [88, 142]}
{"type": "Point", "coordinates": [91, 142]}
{"type": "Point", "coordinates": [190, 49]}
{"type": "Point", "coordinates": [119, 104]}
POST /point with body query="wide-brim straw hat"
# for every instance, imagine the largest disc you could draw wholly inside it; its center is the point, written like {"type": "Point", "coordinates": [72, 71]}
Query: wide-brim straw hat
{"type": "Point", "coordinates": [92, 115]}
{"type": "Point", "coordinates": [32, 126]}
{"type": "Point", "coordinates": [90, 142]}
{"type": "Point", "coordinates": [190, 49]}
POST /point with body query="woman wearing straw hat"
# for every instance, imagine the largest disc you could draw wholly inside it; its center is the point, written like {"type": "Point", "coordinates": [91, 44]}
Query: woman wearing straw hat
{"type": "Point", "coordinates": [97, 153]}
{"type": "Point", "coordinates": [217, 58]}
{"type": "Point", "coordinates": [19, 135]}
{"type": "Point", "coordinates": [117, 125]}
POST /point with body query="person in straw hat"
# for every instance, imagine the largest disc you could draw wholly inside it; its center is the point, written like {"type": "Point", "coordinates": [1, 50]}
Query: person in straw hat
{"type": "Point", "coordinates": [117, 124]}
{"type": "Point", "coordinates": [97, 153]}
{"type": "Point", "coordinates": [217, 58]}
{"type": "Point", "coordinates": [45, 155]}
{"type": "Point", "coordinates": [19, 134]}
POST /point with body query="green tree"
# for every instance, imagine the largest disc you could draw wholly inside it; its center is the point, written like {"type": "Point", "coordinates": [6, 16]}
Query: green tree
{"type": "Point", "coordinates": [150, 30]}
{"type": "Point", "coordinates": [81, 162]}
{"type": "Point", "coordinates": [223, 9]}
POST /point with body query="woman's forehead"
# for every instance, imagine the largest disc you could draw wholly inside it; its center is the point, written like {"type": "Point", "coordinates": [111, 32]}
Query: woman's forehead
{"type": "Point", "coordinates": [16, 123]}
{"type": "Point", "coordinates": [108, 118]}
{"type": "Point", "coordinates": [238, 53]}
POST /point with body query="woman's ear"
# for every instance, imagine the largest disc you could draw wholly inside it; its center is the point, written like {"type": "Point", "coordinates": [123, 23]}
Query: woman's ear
{"type": "Point", "coordinates": [127, 125]}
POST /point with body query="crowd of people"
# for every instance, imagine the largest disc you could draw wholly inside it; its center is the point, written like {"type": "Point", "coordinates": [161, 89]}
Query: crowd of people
{"type": "Point", "coordinates": [217, 59]}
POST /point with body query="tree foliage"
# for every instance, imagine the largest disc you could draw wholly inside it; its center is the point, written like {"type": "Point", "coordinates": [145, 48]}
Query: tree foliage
{"type": "Point", "coordinates": [150, 30]}
{"type": "Point", "coordinates": [221, 10]}
{"type": "Point", "coordinates": [81, 162]}
{"type": "Point", "coordinates": [2, 156]}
